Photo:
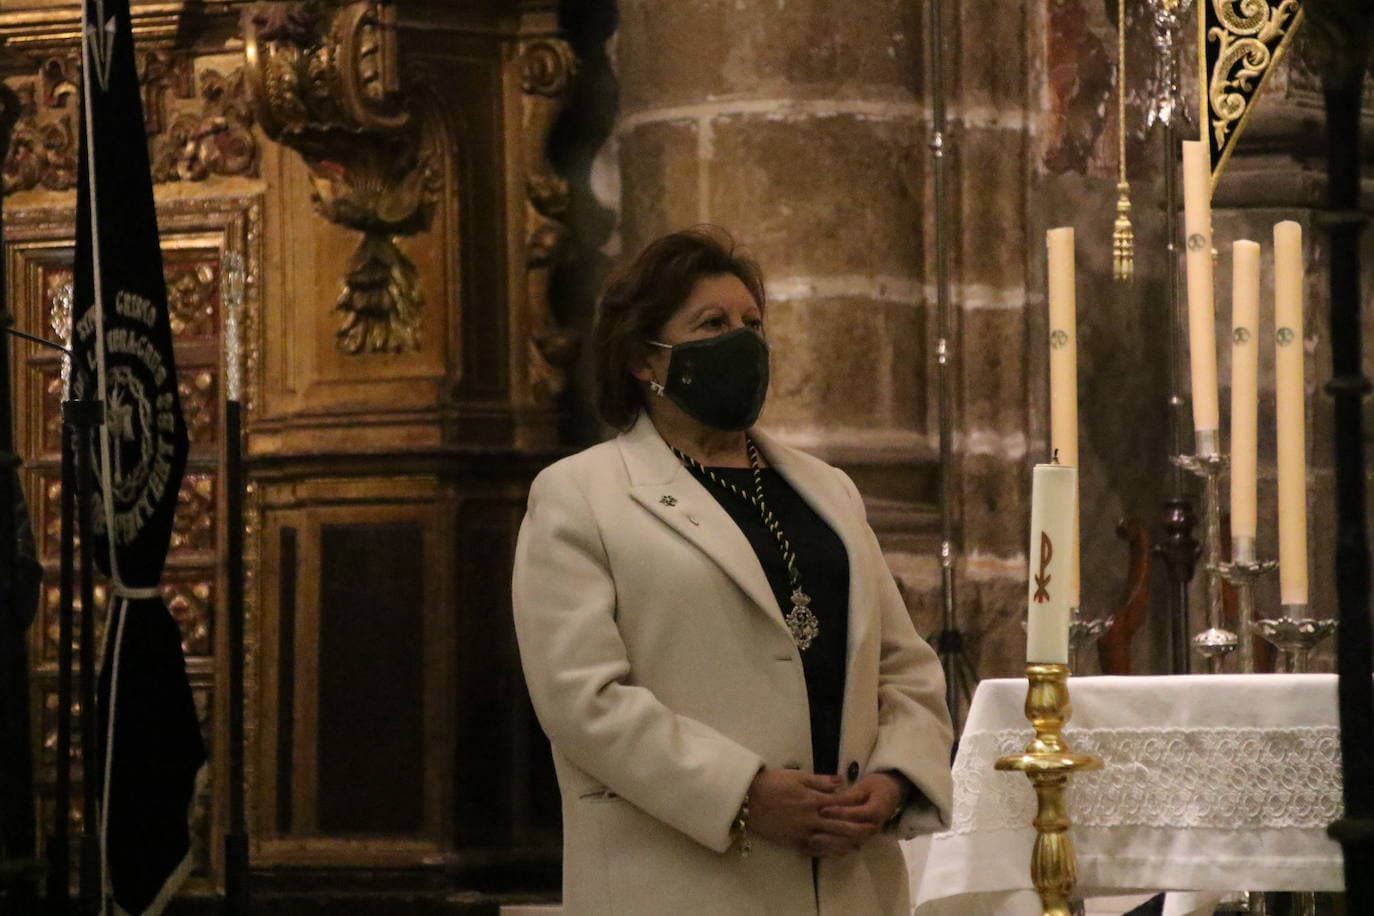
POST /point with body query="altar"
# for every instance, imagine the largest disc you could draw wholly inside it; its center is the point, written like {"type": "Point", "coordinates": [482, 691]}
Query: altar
{"type": "Point", "coordinates": [1221, 783]}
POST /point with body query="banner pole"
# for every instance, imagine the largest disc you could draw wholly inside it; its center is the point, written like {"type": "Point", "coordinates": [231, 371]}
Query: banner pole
{"type": "Point", "coordinates": [233, 277]}
{"type": "Point", "coordinates": [59, 844]}
{"type": "Point", "coordinates": [236, 839]}
{"type": "Point", "coordinates": [90, 417]}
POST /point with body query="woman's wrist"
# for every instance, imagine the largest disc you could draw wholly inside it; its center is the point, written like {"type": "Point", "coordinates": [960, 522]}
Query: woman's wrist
{"type": "Point", "coordinates": [905, 791]}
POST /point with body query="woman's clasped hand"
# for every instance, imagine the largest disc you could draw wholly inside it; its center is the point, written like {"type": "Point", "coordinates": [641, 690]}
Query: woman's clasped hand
{"type": "Point", "coordinates": [820, 814]}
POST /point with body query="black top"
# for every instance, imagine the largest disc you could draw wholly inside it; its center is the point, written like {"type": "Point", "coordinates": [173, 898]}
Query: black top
{"type": "Point", "coordinates": [824, 567]}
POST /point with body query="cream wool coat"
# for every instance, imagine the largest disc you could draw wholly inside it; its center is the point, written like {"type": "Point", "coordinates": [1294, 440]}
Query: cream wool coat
{"type": "Point", "coordinates": [660, 666]}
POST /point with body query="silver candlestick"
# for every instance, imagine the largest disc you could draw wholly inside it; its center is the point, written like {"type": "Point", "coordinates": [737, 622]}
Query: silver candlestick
{"type": "Point", "coordinates": [1082, 631]}
{"type": "Point", "coordinates": [1243, 572]}
{"type": "Point", "coordinates": [1295, 635]}
{"type": "Point", "coordinates": [1215, 642]}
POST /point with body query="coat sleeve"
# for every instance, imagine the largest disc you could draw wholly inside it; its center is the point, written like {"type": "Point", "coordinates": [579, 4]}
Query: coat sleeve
{"type": "Point", "coordinates": [914, 732]}
{"type": "Point", "coordinates": [672, 767]}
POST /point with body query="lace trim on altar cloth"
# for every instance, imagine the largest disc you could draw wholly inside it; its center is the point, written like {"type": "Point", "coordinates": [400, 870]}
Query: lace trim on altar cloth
{"type": "Point", "coordinates": [1227, 778]}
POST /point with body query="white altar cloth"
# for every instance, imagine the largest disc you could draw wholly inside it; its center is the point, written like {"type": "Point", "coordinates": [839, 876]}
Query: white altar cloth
{"type": "Point", "coordinates": [1210, 783]}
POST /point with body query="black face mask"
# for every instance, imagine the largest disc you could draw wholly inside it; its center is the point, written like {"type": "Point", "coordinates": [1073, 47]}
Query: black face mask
{"type": "Point", "coordinates": [720, 381]}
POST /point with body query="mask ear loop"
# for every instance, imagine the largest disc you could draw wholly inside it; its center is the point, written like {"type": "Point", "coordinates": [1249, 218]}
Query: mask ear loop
{"type": "Point", "coordinates": [654, 386]}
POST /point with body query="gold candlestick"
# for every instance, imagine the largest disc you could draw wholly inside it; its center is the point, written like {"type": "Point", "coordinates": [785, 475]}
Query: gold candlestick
{"type": "Point", "coordinates": [1048, 762]}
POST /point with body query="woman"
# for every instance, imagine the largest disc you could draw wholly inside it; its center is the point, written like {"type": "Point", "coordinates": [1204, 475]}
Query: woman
{"type": "Point", "coordinates": [743, 718]}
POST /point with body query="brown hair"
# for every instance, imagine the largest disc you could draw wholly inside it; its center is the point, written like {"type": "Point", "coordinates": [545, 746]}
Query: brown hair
{"type": "Point", "coordinates": [641, 296]}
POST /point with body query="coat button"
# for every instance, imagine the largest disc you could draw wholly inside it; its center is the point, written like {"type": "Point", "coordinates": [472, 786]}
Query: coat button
{"type": "Point", "coordinates": [853, 771]}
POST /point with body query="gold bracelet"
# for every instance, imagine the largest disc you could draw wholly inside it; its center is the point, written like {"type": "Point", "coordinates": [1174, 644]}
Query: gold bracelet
{"type": "Point", "coordinates": [739, 830]}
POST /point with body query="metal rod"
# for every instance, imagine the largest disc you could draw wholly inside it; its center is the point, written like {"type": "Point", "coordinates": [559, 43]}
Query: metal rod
{"type": "Point", "coordinates": [236, 839]}
{"type": "Point", "coordinates": [59, 845]}
{"type": "Point", "coordinates": [90, 812]}
{"type": "Point", "coordinates": [937, 150]}
{"type": "Point", "coordinates": [1245, 616]}
{"type": "Point", "coordinates": [1179, 548]}
{"type": "Point", "coordinates": [959, 673]}
{"type": "Point", "coordinates": [1243, 552]}
{"type": "Point", "coordinates": [1178, 420]}
{"type": "Point", "coordinates": [1212, 515]}
{"type": "Point", "coordinates": [34, 338]}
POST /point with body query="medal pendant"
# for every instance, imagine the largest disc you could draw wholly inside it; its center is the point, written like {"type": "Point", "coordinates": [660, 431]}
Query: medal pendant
{"type": "Point", "coordinates": [801, 621]}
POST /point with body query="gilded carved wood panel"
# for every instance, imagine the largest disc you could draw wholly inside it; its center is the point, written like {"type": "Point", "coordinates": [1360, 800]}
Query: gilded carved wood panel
{"type": "Point", "coordinates": [391, 422]}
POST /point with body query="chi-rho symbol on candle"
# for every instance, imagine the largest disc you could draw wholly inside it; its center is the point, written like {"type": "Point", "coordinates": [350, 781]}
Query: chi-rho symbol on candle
{"type": "Point", "coordinates": [1042, 578]}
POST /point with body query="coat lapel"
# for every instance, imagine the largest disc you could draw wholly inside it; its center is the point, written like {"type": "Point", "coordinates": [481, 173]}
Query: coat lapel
{"type": "Point", "coordinates": [671, 494]}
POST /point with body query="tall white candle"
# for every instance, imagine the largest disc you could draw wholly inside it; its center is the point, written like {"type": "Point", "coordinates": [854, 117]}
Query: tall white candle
{"type": "Point", "coordinates": [1063, 328]}
{"type": "Point", "coordinates": [1245, 294]}
{"type": "Point", "coordinates": [1202, 347]}
{"type": "Point", "coordinates": [1053, 494]}
{"type": "Point", "coordinates": [1290, 415]}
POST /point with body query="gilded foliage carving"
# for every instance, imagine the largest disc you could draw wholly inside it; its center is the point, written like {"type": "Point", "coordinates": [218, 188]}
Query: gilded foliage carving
{"type": "Point", "coordinates": [193, 525]}
{"type": "Point", "coordinates": [199, 123]}
{"type": "Point", "coordinates": [53, 391]}
{"type": "Point", "coordinates": [215, 139]}
{"type": "Point", "coordinates": [51, 514]}
{"type": "Point", "coordinates": [52, 599]}
{"type": "Point", "coordinates": [191, 602]}
{"type": "Point", "coordinates": [547, 66]}
{"type": "Point", "coordinates": [192, 297]}
{"type": "Point", "coordinates": [42, 150]}
{"type": "Point", "coordinates": [50, 712]}
{"type": "Point", "coordinates": [325, 84]}
{"type": "Point", "coordinates": [199, 391]}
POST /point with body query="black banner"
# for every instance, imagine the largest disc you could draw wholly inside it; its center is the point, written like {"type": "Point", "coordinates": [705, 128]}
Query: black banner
{"type": "Point", "coordinates": [152, 754]}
